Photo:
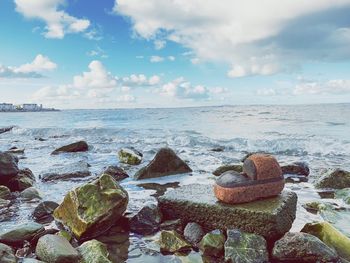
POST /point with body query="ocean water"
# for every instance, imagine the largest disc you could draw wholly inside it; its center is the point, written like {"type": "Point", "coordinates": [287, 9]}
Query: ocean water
{"type": "Point", "coordinates": [316, 134]}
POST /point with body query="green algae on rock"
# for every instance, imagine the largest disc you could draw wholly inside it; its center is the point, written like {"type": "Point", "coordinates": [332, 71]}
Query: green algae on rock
{"type": "Point", "coordinates": [5, 192]}
{"type": "Point", "coordinates": [94, 251]}
{"type": "Point", "coordinates": [93, 208]}
{"type": "Point", "coordinates": [171, 241]}
{"type": "Point", "coordinates": [212, 244]}
{"type": "Point", "coordinates": [129, 156]}
{"type": "Point", "coordinates": [337, 179]}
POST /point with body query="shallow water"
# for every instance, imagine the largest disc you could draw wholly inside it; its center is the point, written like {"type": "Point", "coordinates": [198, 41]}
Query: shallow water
{"type": "Point", "coordinates": [317, 134]}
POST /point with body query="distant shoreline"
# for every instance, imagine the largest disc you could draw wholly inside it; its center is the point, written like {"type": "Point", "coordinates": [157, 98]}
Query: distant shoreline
{"type": "Point", "coordinates": [16, 111]}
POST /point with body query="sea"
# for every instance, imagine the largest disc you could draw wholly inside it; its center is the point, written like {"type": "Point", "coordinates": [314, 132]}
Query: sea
{"type": "Point", "coordinates": [316, 134]}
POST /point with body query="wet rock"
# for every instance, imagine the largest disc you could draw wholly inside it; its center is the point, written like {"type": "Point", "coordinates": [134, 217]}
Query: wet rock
{"type": "Point", "coordinates": [20, 233]}
{"type": "Point", "coordinates": [129, 156]}
{"type": "Point", "coordinates": [40, 139]}
{"type": "Point", "coordinates": [245, 247]}
{"type": "Point", "coordinates": [30, 194]}
{"type": "Point", "coordinates": [343, 194]}
{"type": "Point", "coordinates": [299, 168]}
{"type": "Point", "coordinates": [6, 211]}
{"type": "Point", "coordinates": [6, 129]}
{"type": "Point", "coordinates": [271, 217]}
{"type": "Point", "coordinates": [212, 244]}
{"type": "Point", "coordinates": [5, 192]}
{"type": "Point", "coordinates": [224, 168]}
{"type": "Point", "coordinates": [172, 225]}
{"type": "Point", "coordinates": [193, 233]}
{"type": "Point", "coordinates": [171, 241]}
{"type": "Point", "coordinates": [159, 188]}
{"type": "Point", "coordinates": [330, 236]}
{"type": "Point", "coordinates": [23, 180]}
{"type": "Point", "coordinates": [7, 254]}
{"type": "Point", "coordinates": [294, 178]}
{"type": "Point", "coordinates": [56, 249]}
{"type": "Point", "coordinates": [147, 220]}
{"type": "Point", "coordinates": [43, 212]}
{"type": "Point", "coordinates": [338, 179]}
{"type": "Point", "coordinates": [166, 162]}
{"type": "Point", "coordinates": [80, 146]}
{"type": "Point", "coordinates": [218, 149]}
{"type": "Point", "coordinates": [8, 167]}
{"type": "Point", "coordinates": [326, 193]}
{"type": "Point", "coordinates": [314, 207]}
{"type": "Point", "coordinates": [69, 172]}
{"type": "Point", "coordinates": [65, 234]}
{"type": "Point", "coordinates": [93, 208]}
{"type": "Point", "coordinates": [15, 150]}
{"type": "Point", "coordinates": [94, 251]}
{"type": "Point", "coordinates": [302, 247]}
{"type": "Point", "coordinates": [116, 172]}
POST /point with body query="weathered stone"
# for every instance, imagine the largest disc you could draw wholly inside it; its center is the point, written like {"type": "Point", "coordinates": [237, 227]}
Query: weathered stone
{"type": "Point", "coordinates": [175, 224]}
{"type": "Point", "coordinates": [30, 193]}
{"type": "Point", "coordinates": [69, 172]}
{"type": "Point", "coordinates": [80, 146]}
{"type": "Point", "coordinates": [224, 168]}
{"type": "Point", "coordinates": [116, 172]}
{"type": "Point", "coordinates": [94, 251]}
{"type": "Point", "coordinates": [5, 192]}
{"type": "Point", "coordinates": [245, 247]}
{"type": "Point", "coordinates": [8, 167]}
{"type": "Point", "coordinates": [23, 180]}
{"type": "Point", "coordinates": [93, 208]}
{"type": "Point", "coordinates": [171, 241]}
{"type": "Point", "coordinates": [270, 217]}
{"type": "Point", "coordinates": [338, 179]}
{"type": "Point", "coordinates": [330, 236]}
{"type": "Point", "coordinates": [129, 156]}
{"type": "Point", "coordinates": [212, 244]}
{"type": "Point", "coordinates": [193, 233]}
{"type": "Point", "coordinates": [7, 254]}
{"type": "Point", "coordinates": [166, 162]}
{"type": "Point", "coordinates": [43, 212]}
{"type": "Point", "coordinates": [147, 220]}
{"type": "Point", "coordinates": [302, 247]}
{"type": "Point", "coordinates": [65, 234]}
{"type": "Point", "coordinates": [343, 194]}
{"type": "Point", "coordinates": [56, 249]}
{"type": "Point", "coordinates": [18, 234]}
{"type": "Point", "coordinates": [299, 168]}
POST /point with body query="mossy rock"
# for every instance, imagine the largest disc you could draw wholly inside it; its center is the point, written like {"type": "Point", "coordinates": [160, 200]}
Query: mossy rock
{"type": "Point", "coordinates": [228, 167]}
{"type": "Point", "coordinates": [5, 192]}
{"type": "Point", "coordinates": [337, 179]}
{"type": "Point", "coordinates": [94, 251]}
{"type": "Point", "coordinates": [212, 244]}
{"type": "Point", "coordinates": [129, 156]}
{"type": "Point", "coordinates": [171, 241]}
{"type": "Point", "coordinates": [93, 208]}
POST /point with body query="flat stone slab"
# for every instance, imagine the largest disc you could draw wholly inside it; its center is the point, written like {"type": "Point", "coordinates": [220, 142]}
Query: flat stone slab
{"type": "Point", "coordinates": [271, 217]}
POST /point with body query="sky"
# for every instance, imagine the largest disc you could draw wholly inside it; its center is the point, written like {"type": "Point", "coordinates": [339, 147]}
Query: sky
{"type": "Point", "coordinates": [174, 53]}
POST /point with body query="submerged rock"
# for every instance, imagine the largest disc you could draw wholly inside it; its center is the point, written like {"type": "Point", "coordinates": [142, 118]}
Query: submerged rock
{"type": "Point", "coordinates": [166, 162]}
{"type": "Point", "coordinates": [80, 146]}
{"type": "Point", "coordinates": [224, 168]}
{"type": "Point", "coordinates": [193, 233]}
{"type": "Point", "coordinates": [330, 236]}
{"type": "Point", "coordinates": [20, 233]}
{"type": "Point", "coordinates": [338, 179]}
{"type": "Point", "coordinates": [343, 194]}
{"type": "Point", "coordinates": [299, 168]}
{"type": "Point", "coordinates": [7, 254]}
{"type": "Point", "coordinates": [302, 247]}
{"type": "Point", "coordinates": [116, 172]}
{"type": "Point", "coordinates": [5, 192]}
{"type": "Point", "coordinates": [8, 167]}
{"type": "Point", "coordinates": [129, 156]}
{"type": "Point", "coordinates": [147, 220]}
{"type": "Point", "coordinates": [212, 244]}
{"type": "Point", "coordinates": [56, 249]}
{"type": "Point", "coordinates": [245, 247]}
{"type": "Point", "coordinates": [171, 241]}
{"type": "Point", "coordinates": [30, 194]}
{"type": "Point", "coordinates": [93, 208]}
{"type": "Point", "coordinates": [94, 251]}
{"type": "Point", "coordinates": [43, 212]}
{"type": "Point", "coordinates": [23, 180]}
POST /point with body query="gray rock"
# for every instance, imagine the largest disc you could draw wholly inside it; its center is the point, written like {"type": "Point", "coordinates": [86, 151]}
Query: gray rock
{"type": "Point", "coordinates": [338, 179]}
{"type": "Point", "coordinates": [116, 172]}
{"type": "Point", "coordinates": [193, 233]}
{"type": "Point", "coordinates": [147, 220]}
{"type": "Point", "coordinates": [130, 156]}
{"type": "Point", "coordinates": [18, 234]}
{"type": "Point", "coordinates": [69, 172]}
{"type": "Point", "coordinates": [56, 249]}
{"type": "Point", "coordinates": [94, 251]}
{"type": "Point", "coordinates": [30, 194]}
{"type": "Point", "coordinates": [5, 192]}
{"type": "Point", "coordinates": [171, 241]}
{"type": "Point", "coordinates": [243, 247]}
{"type": "Point", "coordinates": [212, 244]}
{"type": "Point", "coordinates": [43, 212]}
{"type": "Point", "coordinates": [271, 217]}
{"type": "Point", "coordinates": [23, 180]}
{"type": "Point", "coordinates": [7, 254]}
{"type": "Point", "coordinates": [8, 167]}
{"type": "Point", "coordinates": [80, 146]}
{"type": "Point", "coordinates": [166, 162]}
{"type": "Point", "coordinates": [175, 224]}
{"type": "Point", "coordinates": [300, 168]}
{"type": "Point", "coordinates": [228, 167]}
{"type": "Point", "coordinates": [302, 247]}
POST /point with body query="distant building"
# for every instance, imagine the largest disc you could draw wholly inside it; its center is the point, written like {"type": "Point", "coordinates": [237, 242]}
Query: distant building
{"type": "Point", "coordinates": [32, 107]}
{"type": "Point", "coordinates": [7, 107]}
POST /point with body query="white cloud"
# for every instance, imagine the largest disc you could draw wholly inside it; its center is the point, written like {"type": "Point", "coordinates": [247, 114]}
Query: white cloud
{"type": "Point", "coordinates": [337, 87]}
{"type": "Point", "coordinates": [156, 59]}
{"type": "Point", "coordinates": [266, 92]}
{"type": "Point", "coordinates": [58, 22]}
{"type": "Point", "coordinates": [97, 52]}
{"type": "Point", "coordinates": [159, 44]}
{"type": "Point", "coordinates": [171, 58]}
{"type": "Point", "coordinates": [140, 80]}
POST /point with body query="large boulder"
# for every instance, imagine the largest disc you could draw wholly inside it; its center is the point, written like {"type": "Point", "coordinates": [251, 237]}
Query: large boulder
{"type": "Point", "coordinates": [228, 167]}
{"type": "Point", "coordinates": [80, 146]}
{"type": "Point", "coordinates": [116, 172]}
{"type": "Point", "coordinates": [212, 244]}
{"type": "Point", "coordinates": [7, 254]}
{"type": "Point", "coordinates": [271, 217]}
{"type": "Point", "coordinates": [93, 208]}
{"type": "Point", "coordinates": [8, 167]}
{"type": "Point", "coordinates": [193, 233]}
{"type": "Point", "coordinates": [20, 233]}
{"type": "Point", "coordinates": [43, 212]}
{"type": "Point", "coordinates": [23, 180]}
{"type": "Point", "coordinates": [129, 156]}
{"type": "Point", "coordinates": [171, 241]}
{"type": "Point", "coordinates": [147, 220]}
{"type": "Point", "coordinates": [94, 251]}
{"type": "Point", "coordinates": [302, 247]}
{"type": "Point", "coordinates": [245, 247]}
{"type": "Point", "coordinates": [337, 179]}
{"type": "Point", "coordinates": [166, 162]}
{"type": "Point", "coordinates": [330, 236]}
{"type": "Point", "coordinates": [56, 249]}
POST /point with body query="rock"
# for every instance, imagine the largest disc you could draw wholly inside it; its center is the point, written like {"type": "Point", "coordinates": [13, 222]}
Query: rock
{"type": "Point", "coordinates": [43, 212]}
{"type": "Point", "coordinates": [338, 179]}
{"type": "Point", "coordinates": [94, 251]}
{"type": "Point", "coordinates": [294, 178]}
{"type": "Point", "coordinates": [159, 188]}
{"type": "Point", "coordinates": [56, 249]}
{"type": "Point", "coordinates": [8, 167]}
{"type": "Point", "coordinates": [30, 194]}
{"type": "Point", "coordinates": [5, 192]}
{"type": "Point", "coordinates": [7, 254]}
{"type": "Point", "coordinates": [270, 217]}
{"type": "Point", "coordinates": [6, 129]}
{"type": "Point", "coordinates": [245, 247]}
{"type": "Point", "coordinates": [93, 208]}
{"type": "Point", "coordinates": [330, 236]}
{"type": "Point", "coordinates": [172, 225]}
{"type": "Point", "coordinates": [18, 234]}
{"type": "Point", "coordinates": [166, 162]}
{"type": "Point", "coordinates": [80, 146]}
{"type": "Point", "coordinates": [68, 172]}
{"type": "Point", "coordinates": [147, 220]}
{"type": "Point", "coordinates": [343, 194]}
{"type": "Point", "coordinates": [116, 172]}
{"type": "Point", "coordinates": [15, 150]}
{"type": "Point", "coordinates": [65, 234]}
{"type": "Point", "coordinates": [212, 244]}
{"type": "Point", "coordinates": [24, 179]}
{"type": "Point", "coordinates": [171, 241]}
{"type": "Point", "coordinates": [302, 247]}
{"type": "Point", "coordinates": [299, 168]}
{"type": "Point", "coordinates": [218, 149]}
{"type": "Point", "coordinates": [31, 260]}
{"type": "Point", "coordinates": [129, 156]}
{"type": "Point", "coordinates": [224, 168]}
{"type": "Point", "coordinates": [193, 233]}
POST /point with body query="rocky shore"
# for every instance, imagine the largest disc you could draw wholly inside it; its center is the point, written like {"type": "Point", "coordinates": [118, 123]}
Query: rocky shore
{"type": "Point", "coordinates": [93, 222]}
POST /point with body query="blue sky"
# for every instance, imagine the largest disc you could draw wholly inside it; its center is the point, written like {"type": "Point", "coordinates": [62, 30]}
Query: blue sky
{"type": "Point", "coordinates": [172, 53]}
